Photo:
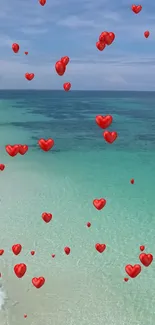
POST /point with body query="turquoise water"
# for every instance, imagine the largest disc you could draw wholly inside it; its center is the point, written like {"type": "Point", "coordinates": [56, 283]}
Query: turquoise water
{"type": "Point", "coordinates": [85, 287]}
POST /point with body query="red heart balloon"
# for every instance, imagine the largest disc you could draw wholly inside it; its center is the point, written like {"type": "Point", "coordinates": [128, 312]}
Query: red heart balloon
{"type": "Point", "coordinates": [20, 270]}
{"type": "Point", "coordinates": [142, 247]}
{"type": "Point", "coordinates": [42, 2]}
{"type": "Point", "coordinates": [67, 86]}
{"type": "Point", "coordinates": [38, 282]}
{"type": "Point", "coordinates": [104, 121]}
{"type": "Point", "coordinates": [146, 34]}
{"type": "Point", "coordinates": [60, 68]}
{"type": "Point", "coordinates": [67, 250]}
{"type": "Point", "coordinates": [133, 271]}
{"type": "Point", "coordinates": [15, 47]}
{"type": "Point", "coordinates": [29, 76]}
{"type": "Point", "coordinates": [16, 249]}
{"type": "Point", "coordinates": [12, 150]}
{"type": "Point", "coordinates": [136, 9]}
{"type": "Point", "coordinates": [2, 167]}
{"type": "Point", "coordinates": [23, 148]}
{"type": "Point", "coordinates": [109, 38]}
{"type": "Point", "coordinates": [146, 259]}
{"type": "Point", "coordinates": [100, 46]}
{"type": "Point", "coordinates": [102, 36]}
{"type": "Point", "coordinates": [99, 204]}
{"type": "Point", "coordinates": [100, 247]}
{"type": "Point", "coordinates": [65, 60]}
{"type": "Point", "coordinates": [88, 224]}
{"type": "Point", "coordinates": [47, 217]}
{"type": "Point", "coordinates": [110, 137]}
{"type": "Point", "coordinates": [46, 145]}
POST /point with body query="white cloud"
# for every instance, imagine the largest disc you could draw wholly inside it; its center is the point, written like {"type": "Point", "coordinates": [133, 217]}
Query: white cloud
{"type": "Point", "coordinates": [34, 31]}
{"type": "Point", "coordinates": [111, 15]}
{"type": "Point", "coordinates": [75, 22]}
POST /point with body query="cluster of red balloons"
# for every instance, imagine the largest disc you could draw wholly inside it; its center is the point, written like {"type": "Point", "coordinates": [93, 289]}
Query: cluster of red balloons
{"type": "Point", "coordinates": [61, 65]}
{"type": "Point", "coordinates": [60, 68]}
{"type": "Point", "coordinates": [105, 38]}
{"type": "Point", "coordinates": [104, 122]}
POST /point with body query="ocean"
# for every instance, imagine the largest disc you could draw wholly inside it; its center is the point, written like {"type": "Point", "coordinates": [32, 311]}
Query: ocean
{"type": "Point", "coordinates": [84, 287]}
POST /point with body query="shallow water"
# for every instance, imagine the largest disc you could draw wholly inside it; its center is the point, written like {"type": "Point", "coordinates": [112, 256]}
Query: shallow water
{"type": "Point", "coordinates": [86, 286]}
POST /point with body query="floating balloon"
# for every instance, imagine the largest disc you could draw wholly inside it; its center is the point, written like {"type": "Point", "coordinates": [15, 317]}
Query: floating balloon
{"type": "Point", "coordinates": [136, 9]}
{"type": "Point", "coordinates": [15, 47]}
{"type": "Point", "coordinates": [20, 270]}
{"type": "Point", "coordinates": [29, 76]}
{"type": "Point", "coordinates": [38, 282]}
{"type": "Point", "coordinates": [67, 86]}
{"type": "Point", "coordinates": [60, 68]}
{"type": "Point", "coordinates": [109, 38]}
{"type": "Point", "coordinates": [42, 2]}
{"type": "Point", "coordinates": [67, 250]}
{"type": "Point", "coordinates": [100, 46]}
{"type": "Point", "coordinates": [142, 247]}
{"type": "Point", "coordinates": [2, 167]}
{"type": "Point", "coordinates": [102, 36]}
{"type": "Point", "coordinates": [133, 270]}
{"type": "Point", "coordinates": [146, 34]}
{"type": "Point", "coordinates": [110, 137]}
{"type": "Point", "coordinates": [104, 121]}
{"type": "Point", "coordinates": [112, 35]}
{"type": "Point", "coordinates": [65, 60]}
{"type": "Point", "coordinates": [106, 37]}
{"type": "Point", "coordinates": [46, 145]}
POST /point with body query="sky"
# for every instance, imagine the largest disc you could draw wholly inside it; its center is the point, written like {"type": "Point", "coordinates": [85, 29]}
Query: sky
{"type": "Point", "coordinates": [72, 28]}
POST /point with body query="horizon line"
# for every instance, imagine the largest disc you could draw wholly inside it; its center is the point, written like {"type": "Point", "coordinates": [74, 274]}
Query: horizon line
{"type": "Point", "coordinates": [84, 90]}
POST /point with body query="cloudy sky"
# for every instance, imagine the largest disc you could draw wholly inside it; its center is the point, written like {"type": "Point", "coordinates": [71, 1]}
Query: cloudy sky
{"type": "Point", "coordinates": [72, 27]}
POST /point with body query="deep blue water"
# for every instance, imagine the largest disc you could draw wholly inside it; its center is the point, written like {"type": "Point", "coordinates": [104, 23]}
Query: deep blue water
{"type": "Point", "coordinates": [71, 116]}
